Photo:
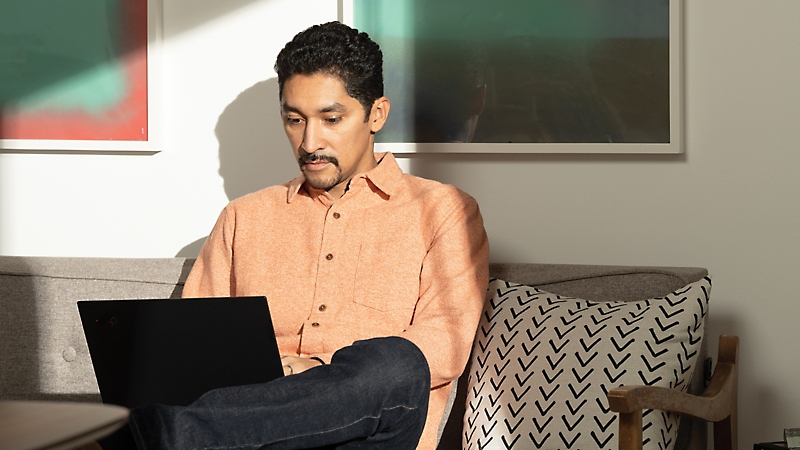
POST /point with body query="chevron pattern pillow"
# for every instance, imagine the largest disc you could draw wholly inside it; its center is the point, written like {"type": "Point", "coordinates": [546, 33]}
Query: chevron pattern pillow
{"type": "Point", "coordinates": [542, 365]}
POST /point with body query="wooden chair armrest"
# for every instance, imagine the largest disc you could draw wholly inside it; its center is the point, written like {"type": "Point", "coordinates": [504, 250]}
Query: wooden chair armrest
{"type": "Point", "coordinates": [712, 405]}
{"type": "Point", "coordinates": [717, 404]}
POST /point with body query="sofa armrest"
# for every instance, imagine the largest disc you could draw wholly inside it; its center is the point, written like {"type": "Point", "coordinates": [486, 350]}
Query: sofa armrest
{"type": "Point", "coordinates": [717, 404]}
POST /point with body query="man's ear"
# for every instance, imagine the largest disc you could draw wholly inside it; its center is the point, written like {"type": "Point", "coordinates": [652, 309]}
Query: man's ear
{"type": "Point", "coordinates": [379, 114]}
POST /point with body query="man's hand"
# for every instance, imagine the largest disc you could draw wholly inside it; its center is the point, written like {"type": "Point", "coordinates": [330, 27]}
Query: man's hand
{"type": "Point", "coordinates": [297, 364]}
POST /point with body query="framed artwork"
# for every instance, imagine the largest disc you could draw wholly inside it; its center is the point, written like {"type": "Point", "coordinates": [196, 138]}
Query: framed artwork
{"type": "Point", "coordinates": [80, 76]}
{"type": "Point", "coordinates": [528, 76]}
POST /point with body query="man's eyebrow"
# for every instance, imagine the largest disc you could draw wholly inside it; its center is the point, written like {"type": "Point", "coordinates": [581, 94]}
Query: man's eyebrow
{"type": "Point", "coordinates": [336, 107]}
{"type": "Point", "coordinates": [288, 108]}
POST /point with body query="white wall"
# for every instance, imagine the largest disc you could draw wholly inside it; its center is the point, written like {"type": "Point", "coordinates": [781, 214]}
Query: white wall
{"type": "Point", "coordinates": [730, 204]}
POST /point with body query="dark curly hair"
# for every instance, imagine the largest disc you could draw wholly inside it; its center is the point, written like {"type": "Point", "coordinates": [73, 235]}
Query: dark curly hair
{"type": "Point", "coordinates": [336, 49]}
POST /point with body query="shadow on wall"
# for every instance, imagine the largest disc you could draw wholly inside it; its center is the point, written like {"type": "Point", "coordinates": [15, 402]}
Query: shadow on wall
{"type": "Point", "coordinates": [253, 150]}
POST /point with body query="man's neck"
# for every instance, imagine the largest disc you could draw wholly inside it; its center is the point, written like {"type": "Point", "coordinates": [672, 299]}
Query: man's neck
{"type": "Point", "coordinates": [340, 189]}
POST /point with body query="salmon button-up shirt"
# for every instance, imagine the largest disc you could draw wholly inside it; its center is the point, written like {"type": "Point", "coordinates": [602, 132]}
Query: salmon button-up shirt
{"type": "Point", "coordinates": [396, 255]}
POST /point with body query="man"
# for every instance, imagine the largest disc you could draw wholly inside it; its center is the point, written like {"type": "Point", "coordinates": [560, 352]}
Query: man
{"type": "Point", "coordinates": [375, 278]}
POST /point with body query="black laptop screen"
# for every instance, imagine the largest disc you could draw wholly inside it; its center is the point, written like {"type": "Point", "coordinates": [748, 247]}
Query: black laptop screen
{"type": "Point", "coordinates": [173, 351]}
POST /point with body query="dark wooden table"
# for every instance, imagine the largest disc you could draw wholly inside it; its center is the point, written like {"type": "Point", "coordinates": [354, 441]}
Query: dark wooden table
{"type": "Point", "coordinates": [56, 425]}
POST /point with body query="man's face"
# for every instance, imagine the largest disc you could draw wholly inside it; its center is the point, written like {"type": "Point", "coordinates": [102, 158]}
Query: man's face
{"type": "Point", "coordinates": [327, 131]}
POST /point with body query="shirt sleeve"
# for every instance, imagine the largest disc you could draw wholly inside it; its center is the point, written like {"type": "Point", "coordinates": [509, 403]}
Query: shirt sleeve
{"type": "Point", "coordinates": [453, 281]}
{"type": "Point", "coordinates": [212, 273]}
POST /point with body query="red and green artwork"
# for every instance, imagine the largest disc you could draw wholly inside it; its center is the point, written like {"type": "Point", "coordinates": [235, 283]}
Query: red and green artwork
{"type": "Point", "coordinates": [73, 70]}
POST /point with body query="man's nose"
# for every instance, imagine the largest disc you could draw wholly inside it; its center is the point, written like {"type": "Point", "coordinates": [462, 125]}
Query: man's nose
{"type": "Point", "coordinates": [312, 138]}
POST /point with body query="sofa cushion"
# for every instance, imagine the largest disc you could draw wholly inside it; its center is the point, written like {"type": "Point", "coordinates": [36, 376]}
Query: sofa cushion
{"type": "Point", "coordinates": [543, 363]}
{"type": "Point", "coordinates": [44, 353]}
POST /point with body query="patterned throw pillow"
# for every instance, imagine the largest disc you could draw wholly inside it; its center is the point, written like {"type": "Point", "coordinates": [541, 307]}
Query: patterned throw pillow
{"type": "Point", "coordinates": [542, 365]}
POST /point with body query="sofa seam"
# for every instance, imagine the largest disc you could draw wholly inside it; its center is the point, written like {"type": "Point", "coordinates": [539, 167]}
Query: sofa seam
{"type": "Point", "coordinates": [62, 277]}
{"type": "Point", "coordinates": [625, 274]}
{"type": "Point", "coordinates": [608, 275]}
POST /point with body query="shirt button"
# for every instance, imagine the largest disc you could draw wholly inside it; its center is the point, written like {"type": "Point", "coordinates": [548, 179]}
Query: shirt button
{"type": "Point", "coordinates": [322, 307]}
{"type": "Point", "coordinates": [315, 324]}
{"type": "Point", "coordinates": [329, 256]}
{"type": "Point", "coordinates": [336, 215]}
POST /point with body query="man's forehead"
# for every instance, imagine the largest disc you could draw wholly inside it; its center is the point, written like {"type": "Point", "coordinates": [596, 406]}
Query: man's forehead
{"type": "Point", "coordinates": [316, 93]}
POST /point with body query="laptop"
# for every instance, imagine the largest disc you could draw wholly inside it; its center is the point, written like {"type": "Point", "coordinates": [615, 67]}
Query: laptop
{"type": "Point", "coordinates": [173, 351]}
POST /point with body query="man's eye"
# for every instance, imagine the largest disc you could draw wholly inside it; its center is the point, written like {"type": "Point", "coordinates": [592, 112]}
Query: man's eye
{"type": "Point", "coordinates": [333, 119]}
{"type": "Point", "coordinates": [292, 120]}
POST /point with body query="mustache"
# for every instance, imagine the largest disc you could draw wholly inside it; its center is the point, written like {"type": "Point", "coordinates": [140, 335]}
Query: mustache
{"type": "Point", "coordinates": [315, 157]}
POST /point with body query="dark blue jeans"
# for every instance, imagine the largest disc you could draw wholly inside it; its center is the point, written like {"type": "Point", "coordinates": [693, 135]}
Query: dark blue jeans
{"type": "Point", "coordinates": [373, 394]}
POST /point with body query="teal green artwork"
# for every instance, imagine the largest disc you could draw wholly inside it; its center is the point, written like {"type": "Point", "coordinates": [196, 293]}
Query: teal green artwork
{"type": "Point", "coordinates": [523, 71]}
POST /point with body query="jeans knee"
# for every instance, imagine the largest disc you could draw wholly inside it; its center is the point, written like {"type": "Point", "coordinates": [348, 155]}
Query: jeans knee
{"type": "Point", "coordinates": [398, 355]}
{"type": "Point", "coordinates": [396, 361]}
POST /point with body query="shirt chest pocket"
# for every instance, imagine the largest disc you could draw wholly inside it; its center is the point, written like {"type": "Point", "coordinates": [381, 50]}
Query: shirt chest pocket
{"type": "Point", "coordinates": [387, 276]}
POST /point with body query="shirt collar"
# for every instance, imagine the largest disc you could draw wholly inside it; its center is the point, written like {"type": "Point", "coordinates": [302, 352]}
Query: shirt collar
{"type": "Point", "coordinates": [385, 177]}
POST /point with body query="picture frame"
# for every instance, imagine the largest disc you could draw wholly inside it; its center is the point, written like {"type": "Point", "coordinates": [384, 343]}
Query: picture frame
{"type": "Point", "coordinates": [110, 105]}
{"type": "Point", "coordinates": [648, 119]}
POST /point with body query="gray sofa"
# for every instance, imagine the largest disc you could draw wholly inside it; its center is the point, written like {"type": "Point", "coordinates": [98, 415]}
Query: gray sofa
{"type": "Point", "coordinates": [44, 354]}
